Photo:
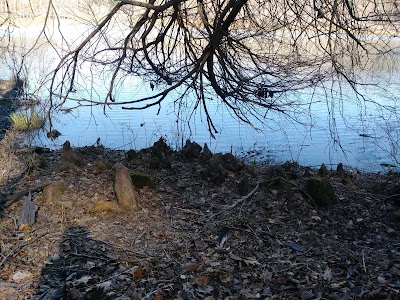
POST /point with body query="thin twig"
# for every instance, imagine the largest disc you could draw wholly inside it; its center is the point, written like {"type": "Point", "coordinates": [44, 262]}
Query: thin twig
{"type": "Point", "coordinates": [148, 295]}
{"type": "Point", "coordinates": [14, 198]}
{"type": "Point", "coordinates": [12, 252]}
{"type": "Point", "coordinates": [244, 198]}
{"type": "Point", "coordinates": [191, 211]}
{"type": "Point", "coordinates": [363, 261]}
{"type": "Point", "coordinates": [278, 178]}
{"type": "Point", "coordinates": [25, 266]}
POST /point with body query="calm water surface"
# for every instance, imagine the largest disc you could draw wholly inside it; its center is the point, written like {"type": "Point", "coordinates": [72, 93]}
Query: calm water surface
{"type": "Point", "coordinates": [359, 134]}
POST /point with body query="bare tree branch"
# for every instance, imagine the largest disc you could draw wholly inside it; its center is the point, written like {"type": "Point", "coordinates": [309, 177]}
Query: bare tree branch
{"type": "Point", "coordinates": [247, 53]}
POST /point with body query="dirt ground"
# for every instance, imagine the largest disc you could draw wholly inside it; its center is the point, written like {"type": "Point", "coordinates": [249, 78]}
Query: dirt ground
{"type": "Point", "coordinates": [253, 234]}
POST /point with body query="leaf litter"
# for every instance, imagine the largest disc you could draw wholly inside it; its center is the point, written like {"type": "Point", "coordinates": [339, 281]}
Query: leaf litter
{"type": "Point", "coordinates": [194, 239]}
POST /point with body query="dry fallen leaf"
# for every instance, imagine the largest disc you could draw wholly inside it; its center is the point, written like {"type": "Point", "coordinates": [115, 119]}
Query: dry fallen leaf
{"type": "Point", "coordinates": [225, 278]}
{"type": "Point", "coordinates": [316, 218]}
{"type": "Point", "coordinates": [274, 192]}
{"type": "Point", "coordinates": [391, 231]}
{"type": "Point", "coordinates": [158, 296]}
{"type": "Point", "coordinates": [202, 280]}
{"type": "Point", "coordinates": [251, 261]}
{"type": "Point", "coordinates": [137, 272]}
{"type": "Point", "coordinates": [205, 289]}
{"type": "Point", "coordinates": [338, 285]}
{"type": "Point", "coordinates": [235, 257]}
{"type": "Point", "coordinates": [192, 267]}
{"type": "Point", "coordinates": [327, 276]}
{"type": "Point", "coordinates": [24, 227]}
{"type": "Point", "coordinates": [250, 294]}
{"type": "Point", "coordinates": [248, 260]}
{"type": "Point", "coordinates": [381, 280]}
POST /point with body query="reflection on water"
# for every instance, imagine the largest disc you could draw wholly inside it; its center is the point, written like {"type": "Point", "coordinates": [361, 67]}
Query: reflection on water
{"type": "Point", "coordinates": [363, 137]}
{"type": "Point", "coordinates": [359, 133]}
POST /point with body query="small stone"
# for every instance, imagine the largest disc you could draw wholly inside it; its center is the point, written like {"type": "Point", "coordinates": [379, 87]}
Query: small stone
{"type": "Point", "coordinates": [21, 276]}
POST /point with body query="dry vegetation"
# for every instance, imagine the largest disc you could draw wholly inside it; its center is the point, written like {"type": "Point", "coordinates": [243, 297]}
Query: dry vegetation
{"type": "Point", "coordinates": [255, 236]}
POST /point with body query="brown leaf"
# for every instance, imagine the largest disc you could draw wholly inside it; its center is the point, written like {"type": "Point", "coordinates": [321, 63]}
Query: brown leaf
{"type": "Point", "coordinates": [249, 294]}
{"type": "Point", "coordinates": [158, 296]}
{"type": "Point", "coordinates": [235, 257]}
{"type": "Point", "coordinates": [225, 278]}
{"type": "Point", "coordinates": [24, 227]}
{"type": "Point", "coordinates": [251, 261]}
{"type": "Point", "coordinates": [202, 280]}
{"type": "Point", "coordinates": [138, 273]}
{"type": "Point", "coordinates": [248, 260]}
{"type": "Point", "coordinates": [192, 267]}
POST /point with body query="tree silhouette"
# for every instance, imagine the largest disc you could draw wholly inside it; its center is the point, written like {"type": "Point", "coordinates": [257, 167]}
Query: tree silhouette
{"type": "Point", "coordinates": [245, 54]}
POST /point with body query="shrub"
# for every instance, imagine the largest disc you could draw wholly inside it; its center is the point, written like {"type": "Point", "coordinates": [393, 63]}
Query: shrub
{"type": "Point", "coordinates": [23, 121]}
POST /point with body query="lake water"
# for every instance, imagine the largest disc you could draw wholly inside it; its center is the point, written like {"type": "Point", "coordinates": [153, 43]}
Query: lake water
{"type": "Point", "coordinates": [334, 128]}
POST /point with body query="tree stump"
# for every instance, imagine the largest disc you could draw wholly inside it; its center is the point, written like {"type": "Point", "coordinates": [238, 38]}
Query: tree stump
{"type": "Point", "coordinates": [124, 189]}
{"type": "Point", "coordinates": [321, 191]}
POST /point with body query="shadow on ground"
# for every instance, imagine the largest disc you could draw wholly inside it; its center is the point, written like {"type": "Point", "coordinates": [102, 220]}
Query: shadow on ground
{"type": "Point", "coordinates": [9, 91]}
{"type": "Point", "coordinates": [9, 163]}
{"type": "Point", "coordinates": [83, 268]}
